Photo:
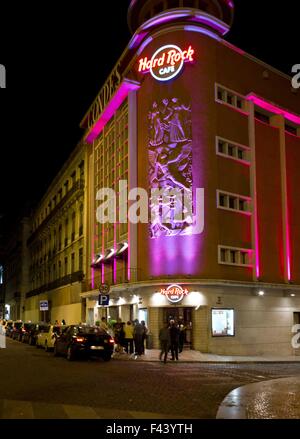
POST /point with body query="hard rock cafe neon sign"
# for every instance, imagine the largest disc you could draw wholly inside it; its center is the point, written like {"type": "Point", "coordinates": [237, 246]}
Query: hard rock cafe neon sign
{"type": "Point", "coordinates": [167, 62]}
{"type": "Point", "coordinates": [174, 293]}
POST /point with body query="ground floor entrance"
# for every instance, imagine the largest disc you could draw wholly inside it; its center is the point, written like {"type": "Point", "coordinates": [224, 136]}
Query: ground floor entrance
{"type": "Point", "coordinates": [183, 316]}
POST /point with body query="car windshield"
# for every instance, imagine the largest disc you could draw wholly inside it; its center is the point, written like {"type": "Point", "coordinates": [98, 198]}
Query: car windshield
{"type": "Point", "coordinates": [89, 330]}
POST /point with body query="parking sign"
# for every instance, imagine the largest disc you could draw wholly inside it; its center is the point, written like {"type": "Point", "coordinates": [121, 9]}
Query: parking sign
{"type": "Point", "coordinates": [103, 300]}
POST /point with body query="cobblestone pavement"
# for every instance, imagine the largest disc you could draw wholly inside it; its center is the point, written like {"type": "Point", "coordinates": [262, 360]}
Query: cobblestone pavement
{"type": "Point", "coordinates": [49, 387]}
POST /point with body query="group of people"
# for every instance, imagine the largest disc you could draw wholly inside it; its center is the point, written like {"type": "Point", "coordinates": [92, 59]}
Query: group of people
{"type": "Point", "coordinates": [58, 323]}
{"type": "Point", "coordinates": [129, 337]}
{"type": "Point", "coordinates": [171, 338]}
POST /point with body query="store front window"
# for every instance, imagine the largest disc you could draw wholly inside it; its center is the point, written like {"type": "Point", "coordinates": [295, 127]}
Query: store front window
{"type": "Point", "coordinates": [222, 321]}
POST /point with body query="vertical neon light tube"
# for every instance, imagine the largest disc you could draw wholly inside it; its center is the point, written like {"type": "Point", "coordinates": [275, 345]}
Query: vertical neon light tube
{"type": "Point", "coordinates": [102, 265]}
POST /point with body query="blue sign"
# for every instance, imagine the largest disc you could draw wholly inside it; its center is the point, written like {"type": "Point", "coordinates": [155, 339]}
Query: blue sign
{"type": "Point", "coordinates": [103, 300]}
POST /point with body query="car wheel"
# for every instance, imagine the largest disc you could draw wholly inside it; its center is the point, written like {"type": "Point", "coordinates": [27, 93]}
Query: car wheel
{"type": "Point", "coordinates": [55, 351]}
{"type": "Point", "coordinates": [106, 357]}
{"type": "Point", "coordinates": [70, 354]}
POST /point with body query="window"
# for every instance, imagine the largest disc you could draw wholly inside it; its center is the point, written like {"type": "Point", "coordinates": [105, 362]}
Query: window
{"type": "Point", "coordinates": [73, 226]}
{"type": "Point", "coordinates": [59, 195]}
{"type": "Point", "coordinates": [73, 263]}
{"type": "Point", "coordinates": [222, 322]}
{"type": "Point", "coordinates": [59, 269]}
{"type": "Point", "coordinates": [66, 266]}
{"type": "Point", "coordinates": [234, 202]}
{"type": "Point", "coordinates": [73, 176]}
{"type": "Point", "coordinates": [291, 129]}
{"type": "Point", "coordinates": [80, 259]}
{"type": "Point", "coordinates": [66, 185]}
{"type": "Point", "coordinates": [81, 220]}
{"type": "Point", "coordinates": [235, 256]}
{"type": "Point", "coordinates": [81, 169]}
{"type": "Point", "coordinates": [232, 150]}
{"type": "Point", "coordinates": [59, 237]}
{"type": "Point", "coordinates": [262, 117]}
{"type": "Point", "coordinates": [231, 98]}
{"type": "Point", "coordinates": [66, 232]}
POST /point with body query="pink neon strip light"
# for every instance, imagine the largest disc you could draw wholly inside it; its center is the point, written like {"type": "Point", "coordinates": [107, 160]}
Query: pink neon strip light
{"type": "Point", "coordinates": [262, 103]}
{"type": "Point", "coordinates": [116, 101]}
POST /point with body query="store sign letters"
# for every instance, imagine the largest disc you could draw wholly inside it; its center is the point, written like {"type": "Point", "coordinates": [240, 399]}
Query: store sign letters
{"type": "Point", "coordinates": [174, 293]}
{"type": "Point", "coordinates": [167, 62]}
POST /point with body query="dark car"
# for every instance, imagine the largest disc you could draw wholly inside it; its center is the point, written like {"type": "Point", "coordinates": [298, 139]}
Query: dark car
{"type": "Point", "coordinates": [30, 336]}
{"type": "Point", "coordinates": [79, 341]}
{"type": "Point", "coordinates": [8, 328]}
{"type": "Point", "coordinates": [16, 330]}
{"type": "Point", "coordinates": [26, 329]}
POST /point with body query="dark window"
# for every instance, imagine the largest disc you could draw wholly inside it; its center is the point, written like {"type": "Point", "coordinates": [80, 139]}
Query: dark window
{"type": "Point", "coordinates": [242, 205]}
{"type": "Point", "coordinates": [223, 255]}
{"type": "Point", "coordinates": [290, 129]}
{"type": "Point", "coordinates": [262, 117]}
{"type": "Point", "coordinates": [221, 147]}
{"type": "Point", "coordinates": [80, 259]}
{"type": "Point", "coordinates": [232, 256]}
{"type": "Point", "coordinates": [230, 150]}
{"type": "Point", "coordinates": [240, 154]}
{"type": "Point", "coordinates": [222, 201]}
{"type": "Point", "coordinates": [232, 203]}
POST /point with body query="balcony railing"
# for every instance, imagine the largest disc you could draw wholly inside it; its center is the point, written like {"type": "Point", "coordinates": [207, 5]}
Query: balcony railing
{"type": "Point", "coordinates": [66, 280]}
{"type": "Point", "coordinates": [79, 185]}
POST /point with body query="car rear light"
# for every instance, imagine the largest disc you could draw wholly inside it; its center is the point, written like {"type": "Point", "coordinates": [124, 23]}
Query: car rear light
{"type": "Point", "coordinates": [23, 330]}
{"type": "Point", "coordinates": [80, 339]}
{"type": "Point", "coordinates": [111, 340]}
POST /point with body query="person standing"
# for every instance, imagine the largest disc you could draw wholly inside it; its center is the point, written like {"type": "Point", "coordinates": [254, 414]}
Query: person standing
{"type": "Point", "coordinates": [128, 337]}
{"type": "Point", "coordinates": [164, 338]}
{"type": "Point", "coordinates": [174, 339]}
{"type": "Point", "coordinates": [182, 329]}
{"type": "Point", "coordinates": [103, 324]}
{"type": "Point", "coordinates": [118, 328]}
{"type": "Point", "coordinates": [138, 337]}
{"type": "Point", "coordinates": [145, 334]}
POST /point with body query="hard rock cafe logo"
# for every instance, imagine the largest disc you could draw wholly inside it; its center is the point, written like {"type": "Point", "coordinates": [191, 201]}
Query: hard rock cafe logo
{"type": "Point", "coordinates": [174, 293]}
{"type": "Point", "coordinates": [167, 62]}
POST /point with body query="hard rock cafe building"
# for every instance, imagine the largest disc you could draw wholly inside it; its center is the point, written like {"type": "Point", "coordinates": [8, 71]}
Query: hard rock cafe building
{"type": "Point", "coordinates": [185, 110]}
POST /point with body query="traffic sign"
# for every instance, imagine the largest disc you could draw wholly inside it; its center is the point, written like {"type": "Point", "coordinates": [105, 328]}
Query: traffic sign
{"type": "Point", "coordinates": [44, 305]}
{"type": "Point", "coordinates": [103, 300]}
{"type": "Point", "coordinates": [104, 289]}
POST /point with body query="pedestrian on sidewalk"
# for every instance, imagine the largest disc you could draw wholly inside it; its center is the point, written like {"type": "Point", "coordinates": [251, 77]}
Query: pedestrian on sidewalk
{"type": "Point", "coordinates": [174, 338]}
{"type": "Point", "coordinates": [165, 341]}
{"type": "Point", "coordinates": [145, 335]}
{"type": "Point", "coordinates": [182, 329]}
{"type": "Point", "coordinates": [138, 337]}
{"type": "Point", "coordinates": [118, 335]}
{"type": "Point", "coordinates": [128, 337]}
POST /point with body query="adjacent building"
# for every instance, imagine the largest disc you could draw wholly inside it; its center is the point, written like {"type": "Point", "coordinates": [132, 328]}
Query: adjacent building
{"type": "Point", "coordinates": [56, 246]}
{"type": "Point", "coordinates": [185, 111]}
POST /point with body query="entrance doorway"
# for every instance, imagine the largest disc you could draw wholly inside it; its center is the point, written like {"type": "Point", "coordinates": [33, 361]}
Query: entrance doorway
{"type": "Point", "coordinates": [183, 316]}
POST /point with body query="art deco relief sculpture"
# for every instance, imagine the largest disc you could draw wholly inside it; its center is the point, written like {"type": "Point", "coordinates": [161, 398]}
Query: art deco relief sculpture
{"type": "Point", "coordinates": [170, 167]}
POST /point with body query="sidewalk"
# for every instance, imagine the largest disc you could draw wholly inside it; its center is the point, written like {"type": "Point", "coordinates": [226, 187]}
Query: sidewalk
{"type": "Point", "coordinates": [274, 399]}
{"type": "Point", "coordinates": [190, 356]}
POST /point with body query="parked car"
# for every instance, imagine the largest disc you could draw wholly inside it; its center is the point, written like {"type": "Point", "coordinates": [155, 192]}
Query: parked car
{"type": "Point", "coordinates": [25, 329]}
{"type": "Point", "coordinates": [48, 335]}
{"type": "Point", "coordinates": [79, 340]}
{"type": "Point", "coordinates": [31, 334]}
{"type": "Point", "coordinates": [16, 329]}
{"type": "Point", "coordinates": [8, 327]}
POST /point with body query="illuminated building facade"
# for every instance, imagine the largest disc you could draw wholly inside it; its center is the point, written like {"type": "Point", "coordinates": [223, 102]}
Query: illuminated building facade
{"type": "Point", "coordinates": [184, 110]}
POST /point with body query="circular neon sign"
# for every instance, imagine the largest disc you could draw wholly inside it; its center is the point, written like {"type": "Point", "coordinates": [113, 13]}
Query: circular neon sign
{"type": "Point", "coordinates": [174, 293]}
{"type": "Point", "coordinates": [167, 62]}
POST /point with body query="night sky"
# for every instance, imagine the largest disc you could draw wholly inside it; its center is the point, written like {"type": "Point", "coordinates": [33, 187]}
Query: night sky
{"type": "Point", "coordinates": [57, 58]}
